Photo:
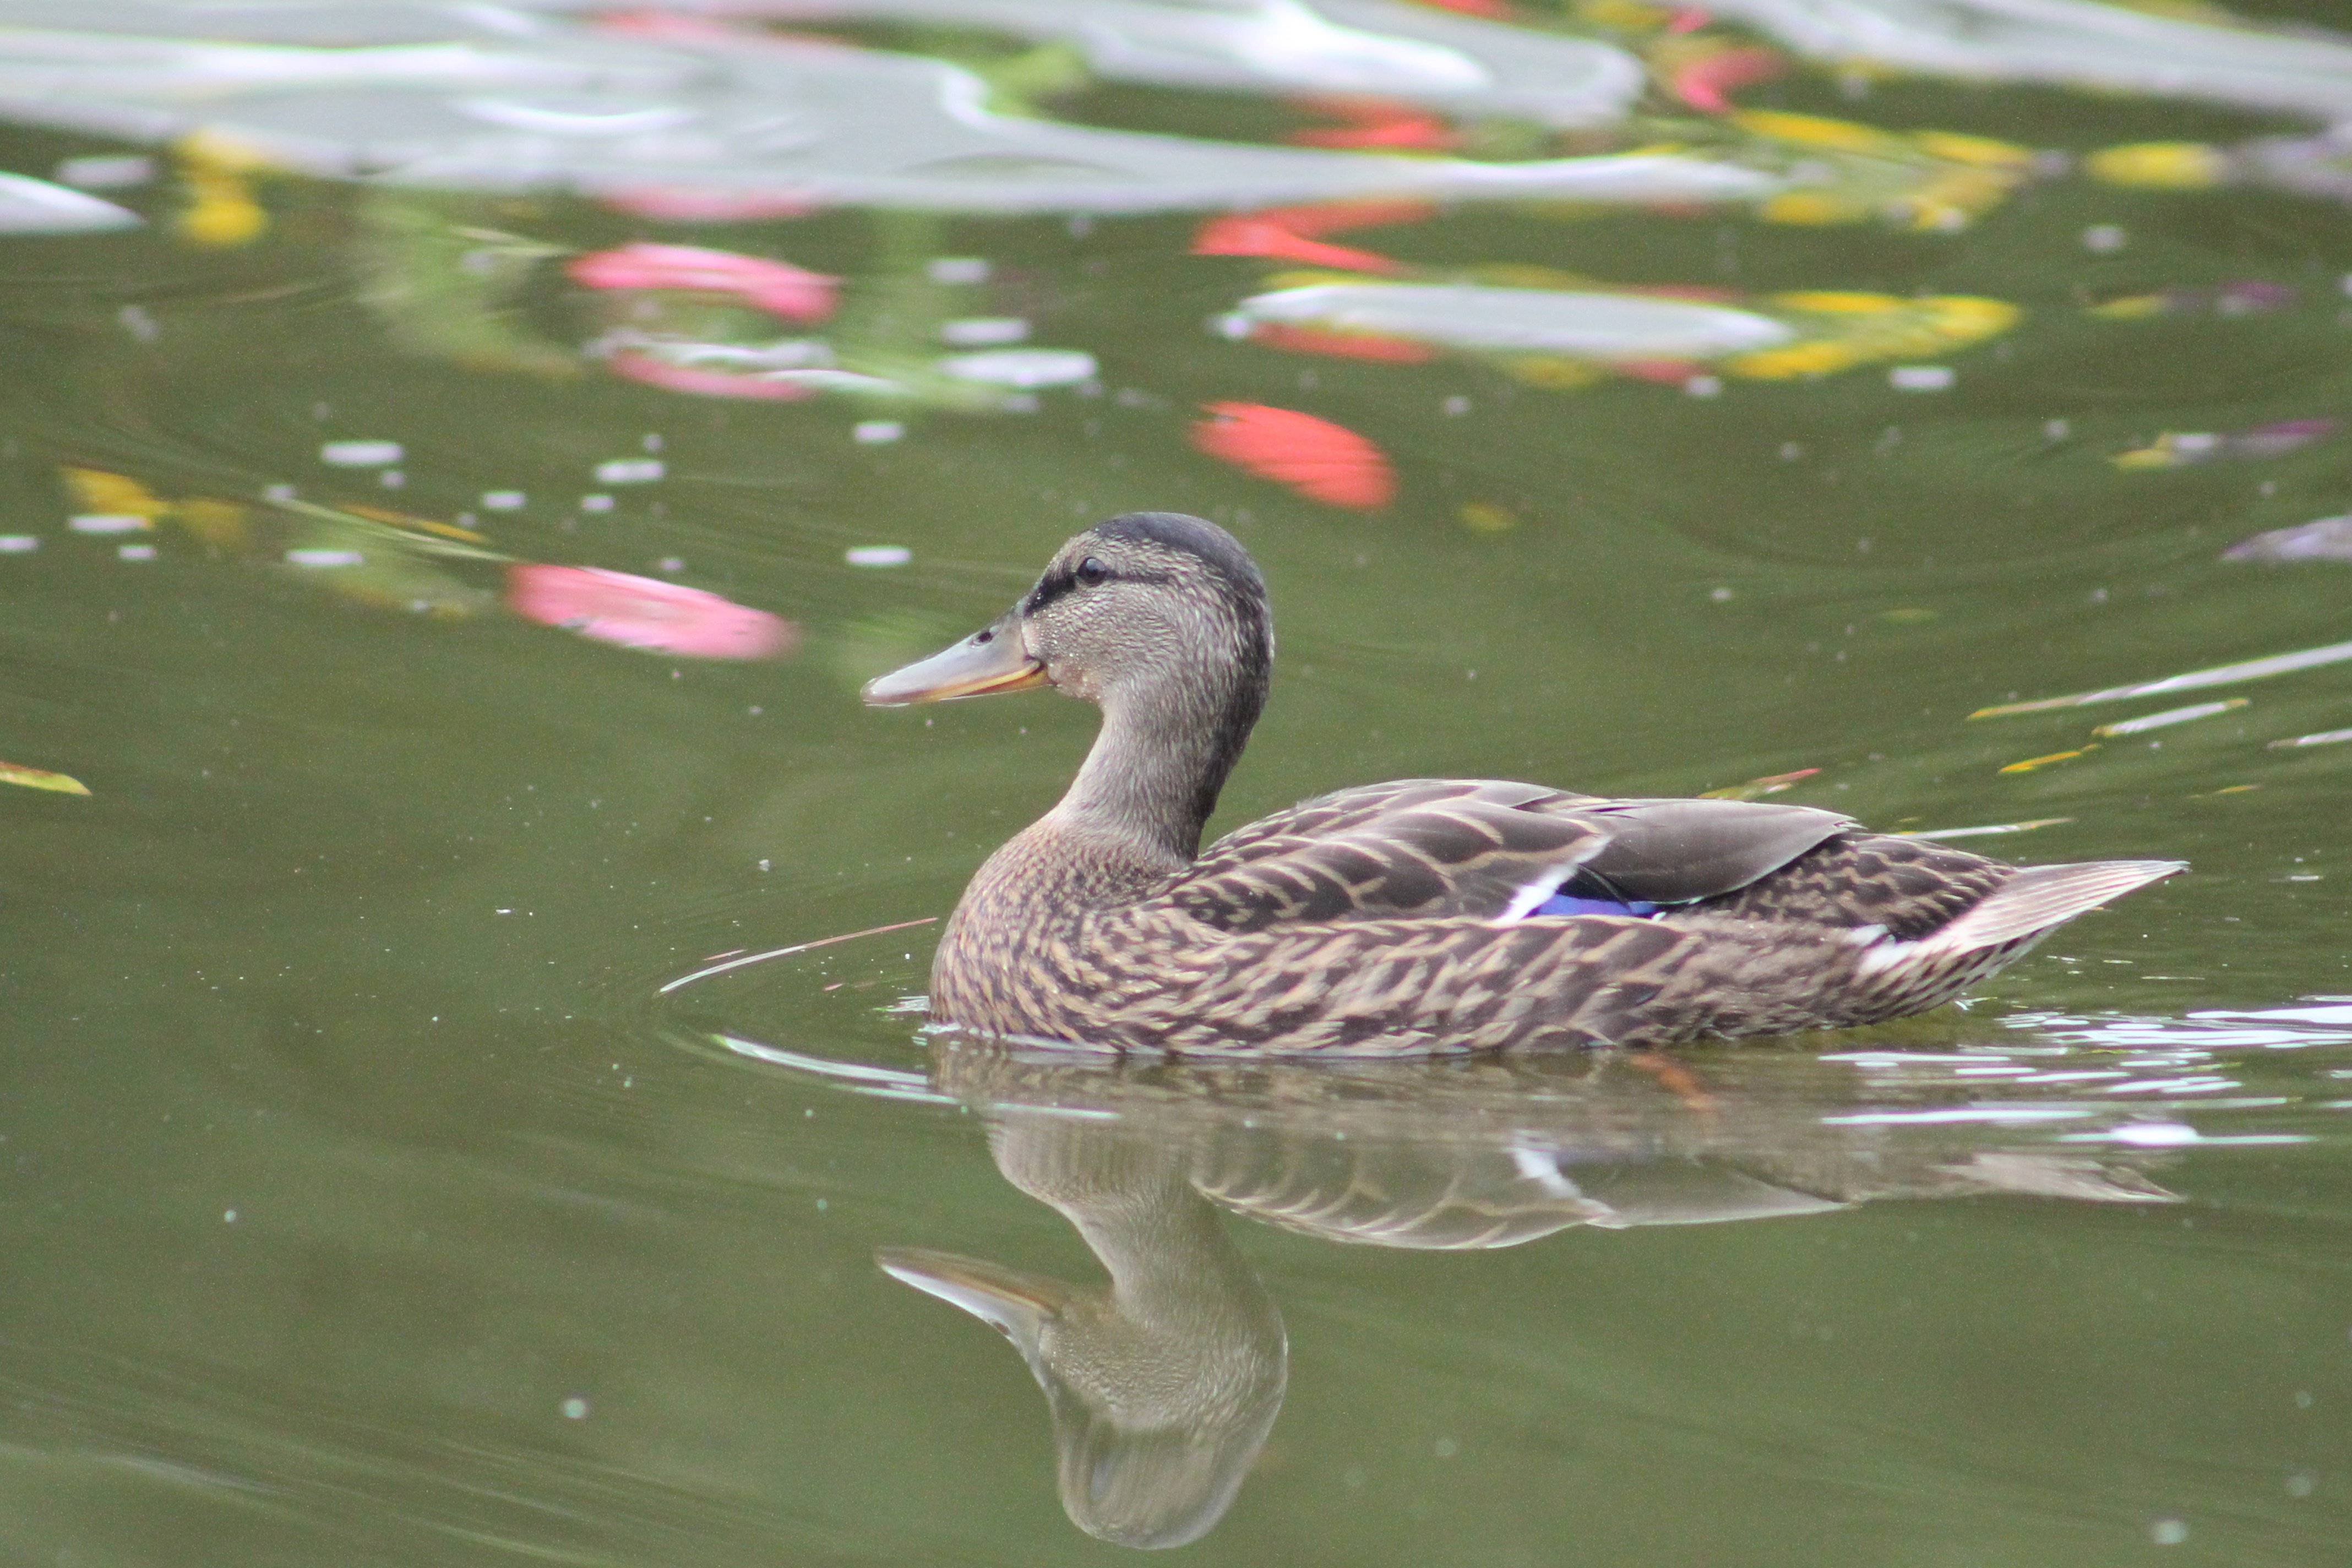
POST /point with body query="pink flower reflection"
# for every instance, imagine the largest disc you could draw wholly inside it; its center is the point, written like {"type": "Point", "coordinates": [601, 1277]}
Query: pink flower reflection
{"type": "Point", "coordinates": [641, 613]}
{"type": "Point", "coordinates": [702, 381]}
{"type": "Point", "coordinates": [776, 287]}
{"type": "Point", "coordinates": [1706, 83]}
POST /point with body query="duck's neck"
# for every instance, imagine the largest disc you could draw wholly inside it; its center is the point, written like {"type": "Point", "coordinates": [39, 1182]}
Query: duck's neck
{"type": "Point", "coordinates": [1162, 756]}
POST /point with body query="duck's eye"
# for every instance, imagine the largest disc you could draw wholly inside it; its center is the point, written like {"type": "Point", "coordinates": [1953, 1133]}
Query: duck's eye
{"type": "Point", "coordinates": [1092, 573]}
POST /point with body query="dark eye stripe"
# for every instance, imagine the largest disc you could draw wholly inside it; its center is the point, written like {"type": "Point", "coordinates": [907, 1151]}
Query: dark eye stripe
{"type": "Point", "coordinates": [1053, 587]}
{"type": "Point", "coordinates": [1063, 582]}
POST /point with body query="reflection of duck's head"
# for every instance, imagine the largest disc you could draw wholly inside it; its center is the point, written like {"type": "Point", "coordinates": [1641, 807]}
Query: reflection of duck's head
{"type": "Point", "coordinates": [1163, 1386]}
{"type": "Point", "coordinates": [1160, 620]}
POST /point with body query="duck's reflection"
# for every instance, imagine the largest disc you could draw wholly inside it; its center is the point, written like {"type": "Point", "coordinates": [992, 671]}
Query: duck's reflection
{"type": "Point", "coordinates": [1164, 1383]}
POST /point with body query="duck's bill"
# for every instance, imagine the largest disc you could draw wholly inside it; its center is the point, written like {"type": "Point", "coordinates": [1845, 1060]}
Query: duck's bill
{"type": "Point", "coordinates": [988, 661]}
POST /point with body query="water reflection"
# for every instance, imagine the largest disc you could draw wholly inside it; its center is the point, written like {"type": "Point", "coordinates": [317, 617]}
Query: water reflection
{"type": "Point", "coordinates": [1163, 1386]}
{"type": "Point", "coordinates": [347, 936]}
{"type": "Point", "coordinates": [504, 101]}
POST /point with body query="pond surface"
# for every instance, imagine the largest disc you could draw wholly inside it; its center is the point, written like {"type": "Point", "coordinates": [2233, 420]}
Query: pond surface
{"type": "Point", "coordinates": [398, 1170]}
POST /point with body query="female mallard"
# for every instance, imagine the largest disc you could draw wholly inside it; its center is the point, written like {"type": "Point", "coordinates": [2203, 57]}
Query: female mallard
{"type": "Point", "coordinates": [1420, 916]}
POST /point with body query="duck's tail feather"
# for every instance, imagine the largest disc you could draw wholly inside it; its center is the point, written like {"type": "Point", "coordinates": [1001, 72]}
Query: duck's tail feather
{"type": "Point", "coordinates": [2041, 897]}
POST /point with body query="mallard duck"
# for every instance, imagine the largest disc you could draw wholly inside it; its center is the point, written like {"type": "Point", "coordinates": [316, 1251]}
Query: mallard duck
{"type": "Point", "coordinates": [1419, 916]}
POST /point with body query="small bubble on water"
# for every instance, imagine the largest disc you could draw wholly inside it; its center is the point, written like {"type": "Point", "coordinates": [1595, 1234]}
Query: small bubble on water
{"type": "Point", "coordinates": [228, 1216]}
{"type": "Point", "coordinates": [877, 432]}
{"type": "Point", "coordinates": [503, 501]}
{"type": "Point", "coordinates": [574, 1408]}
{"type": "Point", "coordinates": [596, 503]}
{"type": "Point", "coordinates": [1455, 407]}
{"type": "Point", "coordinates": [2301, 1484]}
{"type": "Point", "coordinates": [1446, 1447]}
{"type": "Point", "coordinates": [2105, 238]}
{"type": "Point", "coordinates": [958, 269]}
{"type": "Point", "coordinates": [1702, 386]}
{"type": "Point", "coordinates": [1921, 378]}
{"type": "Point", "coordinates": [984, 332]}
{"type": "Point", "coordinates": [361, 454]}
{"type": "Point", "coordinates": [629, 471]}
{"type": "Point", "coordinates": [651, 443]}
{"type": "Point", "coordinates": [134, 552]}
{"type": "Point", "coordinates": [18, 544]}
{"type": "Point", "coordinates": [671, 564]}
{"type": "Point", "coordinates": [392, 479]}
{"type": "Point", "coordinates": [878, 555]}
{"type": "Point", "coordinates": [2167, 1532]}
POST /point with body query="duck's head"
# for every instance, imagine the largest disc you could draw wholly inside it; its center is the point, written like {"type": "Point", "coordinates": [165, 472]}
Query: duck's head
{"type": "Point", "coordinates": [1136, 605]}
{"type": "Point", "coordinates": [1160, 620]}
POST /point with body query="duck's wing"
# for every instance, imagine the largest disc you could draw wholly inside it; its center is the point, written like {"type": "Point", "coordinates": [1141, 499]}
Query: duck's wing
{"type": "Point", "coordinates": [1485, 850]}
{"type": "Point", "coordinates": [1680, 852]}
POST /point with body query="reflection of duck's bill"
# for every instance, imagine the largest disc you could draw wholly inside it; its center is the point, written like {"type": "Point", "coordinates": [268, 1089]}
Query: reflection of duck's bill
{"type": "Point", "coordinates": [989, 661]}
{"type": "Point", "coordinates": [1010, 1302]}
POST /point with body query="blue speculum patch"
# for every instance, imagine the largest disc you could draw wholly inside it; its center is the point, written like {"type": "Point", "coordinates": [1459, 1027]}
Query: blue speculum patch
{"type": "Point", "coordinates": [1570, 904]}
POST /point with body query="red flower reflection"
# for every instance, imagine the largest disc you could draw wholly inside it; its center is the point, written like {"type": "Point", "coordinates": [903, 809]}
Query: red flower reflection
{"type": "Point", "coordinates": [1344, 346]}
{"type": "Point", "coordinates": [776, 287]}
{"type": "Point", "coordinates": [1320, 460]}
{"type": "Point", "coordinates": [641, 613]}
{"type": "Point", "coordinates": [1374, 122]}
{"type": "Point", "coordinates": [1288, 234]}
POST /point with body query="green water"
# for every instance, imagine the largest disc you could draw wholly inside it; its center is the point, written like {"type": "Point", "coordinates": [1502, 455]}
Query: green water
{"type": "Point", "coordinates": [367, 1200]}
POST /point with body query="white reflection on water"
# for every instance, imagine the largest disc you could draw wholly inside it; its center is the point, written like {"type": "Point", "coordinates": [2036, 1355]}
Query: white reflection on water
{"type": "Point", "coordinates": [455, 100]}
{"type": "Point", "coordinates": [1609, 326]}
{"type": "Point", "coordinates": [2118, 47]}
